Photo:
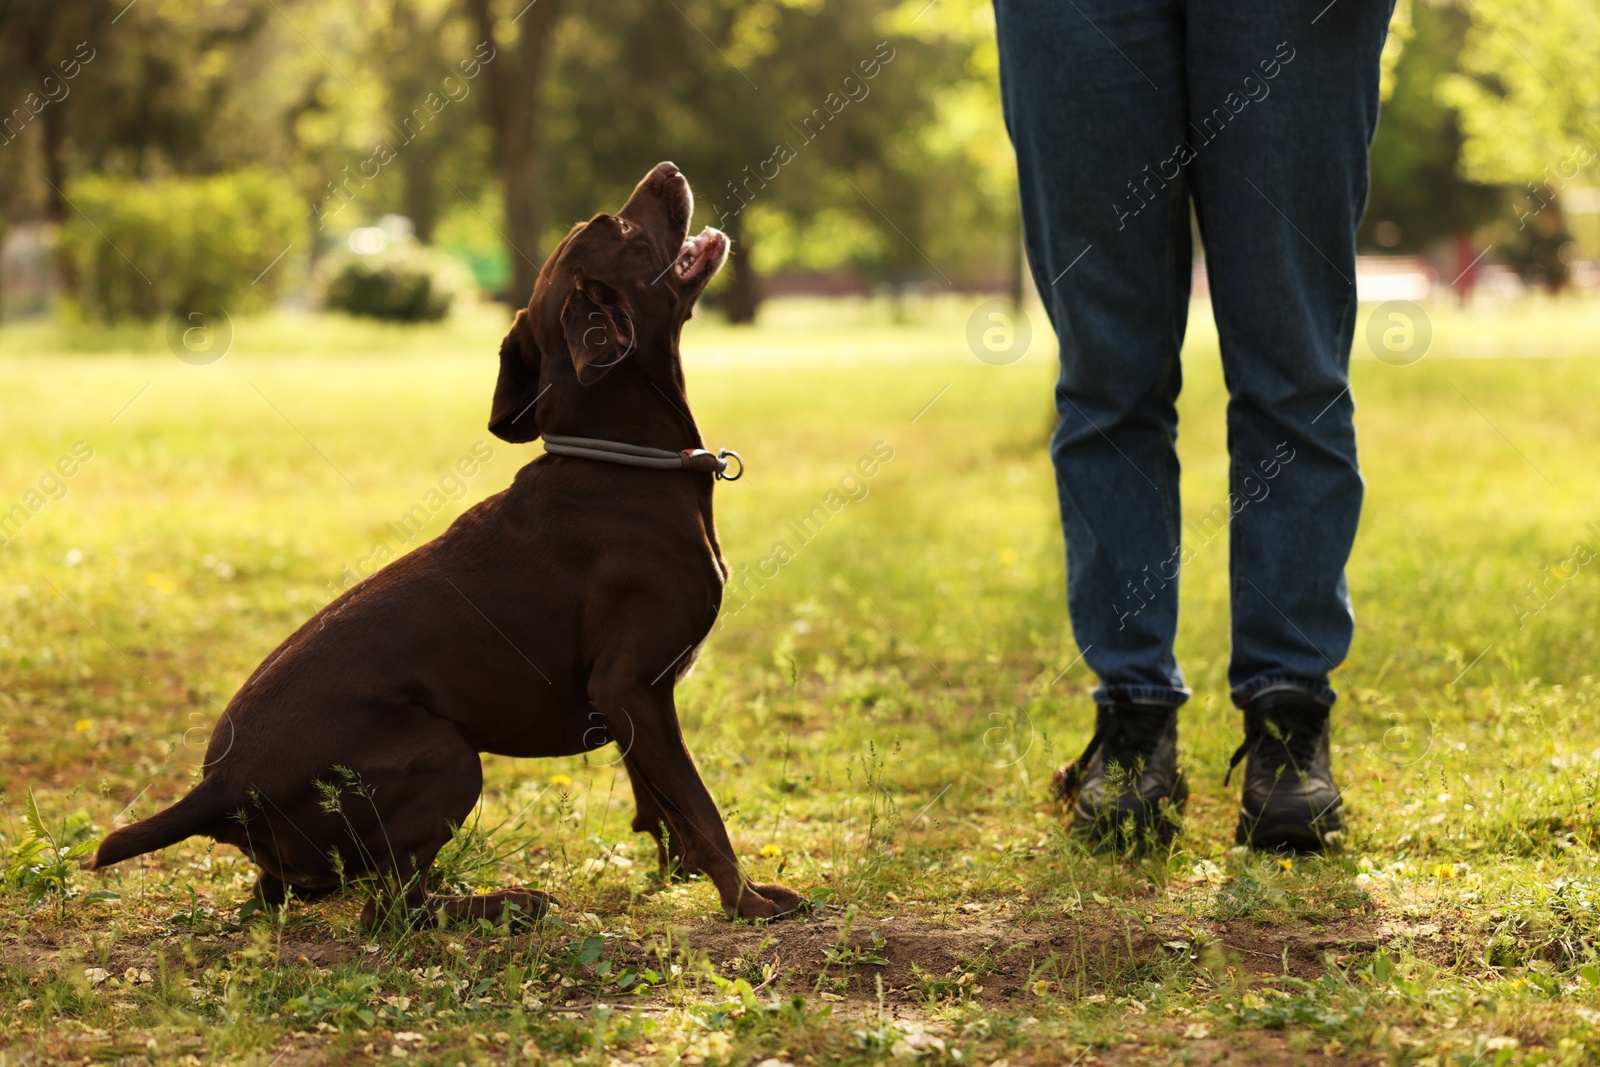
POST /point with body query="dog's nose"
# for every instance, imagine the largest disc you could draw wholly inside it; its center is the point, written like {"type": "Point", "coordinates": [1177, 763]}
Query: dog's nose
{"type": "Point", "coordinates": [667, 169]}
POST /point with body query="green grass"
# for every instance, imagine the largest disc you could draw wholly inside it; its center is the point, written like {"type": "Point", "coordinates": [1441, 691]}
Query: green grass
{"type": "Point", "coordinates": [878, 721]}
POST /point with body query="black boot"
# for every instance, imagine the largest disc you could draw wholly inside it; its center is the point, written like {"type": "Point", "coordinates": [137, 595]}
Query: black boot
{"type": "Point", "coordinates": [1127, 783]}
{"type": "Point", "coordinates": [1290, 802]}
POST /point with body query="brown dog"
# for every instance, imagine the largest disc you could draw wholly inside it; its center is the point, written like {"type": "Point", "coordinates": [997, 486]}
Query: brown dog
{"type": "Point", "coordinates": [548, 620]}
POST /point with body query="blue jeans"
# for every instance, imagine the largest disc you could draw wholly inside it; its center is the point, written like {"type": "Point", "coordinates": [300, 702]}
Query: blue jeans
{"type": "Point", "coordinates": [1123, 113]}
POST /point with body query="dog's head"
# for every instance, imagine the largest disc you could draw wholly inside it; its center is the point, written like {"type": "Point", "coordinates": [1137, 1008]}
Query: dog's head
{"type": "Point", "coordinates": [615, 293]}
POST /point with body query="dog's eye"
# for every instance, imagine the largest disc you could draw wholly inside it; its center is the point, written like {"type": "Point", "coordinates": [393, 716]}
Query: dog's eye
{"type": "Point", "coordinates": [627, 227]}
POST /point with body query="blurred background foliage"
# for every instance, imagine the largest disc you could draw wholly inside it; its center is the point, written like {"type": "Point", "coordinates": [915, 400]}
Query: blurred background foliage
{"type": "Point", "coordinates": [846, 145]}
{"type": "Point", "coordinates": [199, 242]}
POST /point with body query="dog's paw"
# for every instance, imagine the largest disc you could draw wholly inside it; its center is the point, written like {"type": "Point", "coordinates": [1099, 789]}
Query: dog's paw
{"type": "Point", "coordinates": [520, 905]}
{"type": "Point", "coordinates": [768, 901]}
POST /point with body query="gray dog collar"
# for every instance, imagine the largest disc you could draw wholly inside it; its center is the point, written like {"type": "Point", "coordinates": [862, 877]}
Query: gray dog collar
{"type": "Point", "coordinates": [694, 459]}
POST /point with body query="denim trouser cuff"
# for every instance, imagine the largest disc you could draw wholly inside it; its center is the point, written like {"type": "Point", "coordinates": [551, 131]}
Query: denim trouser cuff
{"type": "Point", "coordinates": [1162, 696]}
{"type": "Point", "coordinates": [1321, 692]}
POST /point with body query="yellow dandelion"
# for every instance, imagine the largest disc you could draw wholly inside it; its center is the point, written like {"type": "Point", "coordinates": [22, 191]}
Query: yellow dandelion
{"type": "Point", "coordinates": [1445, 870]}
{"type": "Point", "coordinates": [771, 851]}
{"type": "Point", "coordinates": [559, 781]}
{"type": "Point", "coordinates": [82, 726]}
{"type": "Point", "coordinates": [1286, 863]}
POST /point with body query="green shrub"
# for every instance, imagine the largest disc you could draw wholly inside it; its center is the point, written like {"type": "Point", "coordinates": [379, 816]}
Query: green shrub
{"type": "Point", "coordinates": [405, 282]}
{"type": "Point", "coordinates": [146, 250]}
{"type": "Point", "coordinates": [44, 863]}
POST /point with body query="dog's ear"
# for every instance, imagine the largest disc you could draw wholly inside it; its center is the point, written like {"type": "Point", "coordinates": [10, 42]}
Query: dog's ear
{"type": "Point", "coordinates": [511, 416]}
{"type": "Point", "coordinates": [599, 328]}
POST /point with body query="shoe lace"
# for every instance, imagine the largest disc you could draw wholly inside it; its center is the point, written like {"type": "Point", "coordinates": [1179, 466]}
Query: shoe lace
{"type": "Point", "coordinates": [1281, 740]}
{"type": "Point", "coordinates": [1128, 734]}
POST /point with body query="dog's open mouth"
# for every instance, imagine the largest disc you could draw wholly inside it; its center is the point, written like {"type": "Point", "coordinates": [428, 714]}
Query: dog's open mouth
{"type": "Point", "coordinates": [701, 255]}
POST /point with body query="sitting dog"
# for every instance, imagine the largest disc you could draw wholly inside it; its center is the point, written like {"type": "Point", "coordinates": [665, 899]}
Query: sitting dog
{"type": "Point", "coordinates": [548, 620]}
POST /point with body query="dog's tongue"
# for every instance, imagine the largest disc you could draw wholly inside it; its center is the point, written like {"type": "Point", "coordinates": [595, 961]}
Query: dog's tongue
{"type": "Point", "coordinates": [697, 251]}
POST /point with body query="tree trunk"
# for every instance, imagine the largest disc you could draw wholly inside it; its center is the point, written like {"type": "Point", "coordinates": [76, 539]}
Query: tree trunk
{"type": "Point", "coordinates": [743, 297]}
{"type": "Point", "coordinates": [515, 101]}
{"type": "Point", "coordinates": [419, 197]}
{"type": "Point", "coordinates": [55, 170]}
{"type": "Point", "coordinates": [419, 193]}
{"type": "Point", "coordinates": [55, 164]}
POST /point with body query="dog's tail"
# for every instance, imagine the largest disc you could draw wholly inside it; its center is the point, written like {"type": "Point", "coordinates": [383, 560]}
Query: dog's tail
{"type": "Point", "coordinates": [202, 808]}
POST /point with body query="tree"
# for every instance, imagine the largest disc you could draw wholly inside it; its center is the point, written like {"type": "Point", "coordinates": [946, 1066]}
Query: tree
{"type": "Point", "coordinates": [821, 134]}
{"type": "Point", "coordinates": [517, 114]}
{"type": "Point", "coordinates": [104, 86]}
{"type": "Point", "coordinates": [787, 116]}
{"type": "Point", "coordinates": [413, 50]}
{"type": "Point", "coordinates": [130, 90]}
{"type": "Point", "coordinates": [1528, 93]}
{"type": "Point", "coordinates": [1419, 194]}
{"type": "Point", "coordinates": [42, 57]}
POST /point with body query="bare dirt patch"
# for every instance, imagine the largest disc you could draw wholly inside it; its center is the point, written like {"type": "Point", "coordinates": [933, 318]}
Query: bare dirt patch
{"type": "Point", "coordinates": [1177, 1043]}
{"type": "Point", "coordinates": [1078, 955]}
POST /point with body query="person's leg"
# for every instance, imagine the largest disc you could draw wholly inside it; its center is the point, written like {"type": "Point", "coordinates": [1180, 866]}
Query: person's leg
{"type": "Point", "coordinates": [1094, 101]}
{"type": "Point", "coordinates": [1283, 103]}
{"type": "Point", "coordinates": [1093, 95]}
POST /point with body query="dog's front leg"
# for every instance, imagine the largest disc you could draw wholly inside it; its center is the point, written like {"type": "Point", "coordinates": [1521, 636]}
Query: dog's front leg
{"type": "Point", "coordinates": [643, 720]}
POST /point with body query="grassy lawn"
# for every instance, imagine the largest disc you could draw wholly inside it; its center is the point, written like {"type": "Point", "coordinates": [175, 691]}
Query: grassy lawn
{"type": "Point", "coordinates": [878, 721]}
